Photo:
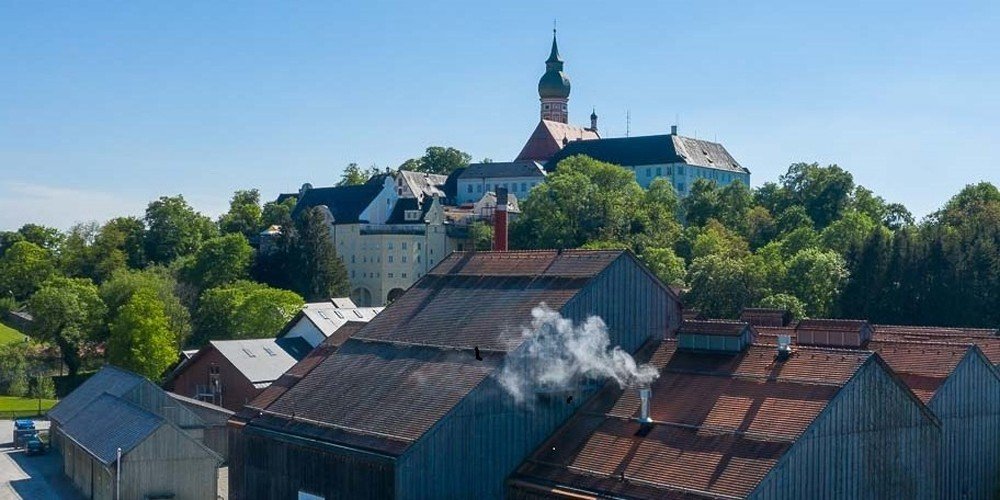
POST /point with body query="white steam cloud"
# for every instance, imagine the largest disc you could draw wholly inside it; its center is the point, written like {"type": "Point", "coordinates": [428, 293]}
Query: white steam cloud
{"type": "Point", "coordinates": [558, 355]}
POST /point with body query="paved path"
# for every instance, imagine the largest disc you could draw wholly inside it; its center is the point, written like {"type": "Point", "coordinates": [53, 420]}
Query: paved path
{"type": "Point", "coordinates": [38, 477]}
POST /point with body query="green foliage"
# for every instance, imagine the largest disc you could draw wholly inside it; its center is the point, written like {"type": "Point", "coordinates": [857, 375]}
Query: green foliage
{"type": "Point", "coordinates": [7, 304]}
{"type": "Point", "coordinates": [481, 235]}
{"type": "Point", "coordinates": [816, 277]}
{"type": "Point", "coordinates": [438, 160]}
{"type": "Point", "coordinates": [715, 239]}
{"type": "Point", "coordinates": [124, 284]}
{"type": "Point", "coordinates": [46, 237]}
{"type": "Point", "coordinates": [23, 269]}
{"type": "Point", "coordinates": [787, 302]}
{"type": "Point", "coordinates": [354, 175]}
{"type": "Point", "coordinates": [278, 214]}
{"type": "Point", "coordinates": [848, 232]}
{"type": "Point", "coordinates": [666, 265]}
{"type": "Point", "coordinates": [68, 312]}
{"type": "Point", "coordinates": [174, 229]}
{"type": "Point", "coordinates": [584, 200]}
{"type": "Point", "coordinates": [13, 371]}
{"type": "Point", "coordinates": [244, 216]}
{"type": "Point", "coordinates": [243, 310]}
{"type": "Point", "coordinates": [42, 387]}
{"type": "Point", "coordinates": [798, 240]}
{"type": "Point", "coordinates": [219, 261]}
{"type": "Point", "coordinates": [97, 252]}
{"type": "Point", "coordinates": [141, 340]}
{"type": "Point", "coordinates": [721, 285]}
{"type": "Point", "coordinates": [824, 192]}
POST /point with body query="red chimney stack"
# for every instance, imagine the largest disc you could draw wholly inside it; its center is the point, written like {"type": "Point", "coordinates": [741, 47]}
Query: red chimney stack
{"type": "Point", "coordinates": [500, 221]}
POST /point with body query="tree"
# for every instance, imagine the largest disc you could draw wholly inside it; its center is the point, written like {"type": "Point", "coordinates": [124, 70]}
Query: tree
{"type": "Point", "coordinates": [721, 286]}
{"type": "Point", "coordinates": [124, 284]}
{"type": "Point", "coordinates": [219, 261]}
{"type": "Point", "coordinates": [666, 265]}
{"type": "Point", "coordinates": [760, 227]}
{"type": "Point", "coordinates": [735, 201]}
{"type": "Point", "coordinates": [46, 237]}
{"type": "Point", "coordinates": [353, 175]}
{"type": "Point", "coordinates": [850, 231]}
{"type": "Point", "coordinates": [714, 238]}
{"type": "Point", "coordinates": [174, 229]}
{"type": "Point", "coordinates": [816, 277]}
{"type": "Point", "coordinates": [278, 213]}
{"type": "Point", "coordinates": [23, 269]}
{"type": "Point", "coordinates": [13, 370]}
{"type": "Point", "coordinates": [798, 240]}
{"type": "Point", "coordinates": [438, 160]}
{"type": "Point", "coordinates": [583, 200]}
{"type": "Point", "coordinates": [656, 225]}
{"type": "Point", "coordinates": [243, 310]}
{"type": "Point", "coordinates": [792, 218]}
{"type": "Point", "coordinates": [702, 203]}
{"type": "Point", "coordinates": [790, 303]}
{"type": "Point", "coordinates": [824, 192]}
{"type": "Point", "coordinates": [68, 312]}
{"type": "Point", "coordinates": [141, 340]}
{"type": "Point", "coordinates": [481, 235]}
{"type": "Point", "coordinates": [244, 216]}
{"type": "Point", "coordinates": [319, 273]}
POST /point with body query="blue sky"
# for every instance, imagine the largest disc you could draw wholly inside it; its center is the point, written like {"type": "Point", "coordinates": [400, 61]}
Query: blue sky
{"type": "Point", "coordinates": [104, 106]}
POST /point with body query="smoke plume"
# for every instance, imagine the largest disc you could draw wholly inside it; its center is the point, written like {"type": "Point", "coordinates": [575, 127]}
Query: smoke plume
{"type": "Point", "coordinates": [558, 355]}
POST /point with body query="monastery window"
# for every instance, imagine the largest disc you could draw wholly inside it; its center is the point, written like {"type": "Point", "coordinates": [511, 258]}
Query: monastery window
{"type": "Point", "coordinates": [648, 173]}
{"type": "Point", "coordinates": [388, 246]}
{"type": "Point", "coordinates": [680, 169]}
{"type": "Point", "coordinates": [404, 259]}
{"type": "Point", "coordinates": [524, 187]}
{"type": "Point", "coordinates": [403, 245]}
{"type": "Point", "coordinates": [470, 188]}
{"type": "Point", "coordinates": [352, 259]}
{"type": "Point", "coordinates": [659, 171]}
{"type": "Point", "coordinates": [390, 259]}
{"type": "Point", "coordinates": [403, 275]}
{"type": "Point", "coordinates": [389, 275]}
{"type": "Point", "coordinates": [352, 273]}
{"type": "Point", "coordinates": [419, 245]}
{"type": "Point", "coordinates": [418, 258]}
{"type": "Point", "coordinates": [680, 187]}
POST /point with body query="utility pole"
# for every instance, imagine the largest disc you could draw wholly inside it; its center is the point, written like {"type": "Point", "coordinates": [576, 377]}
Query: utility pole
{"type": "Point", "coordinates": [118, 475]}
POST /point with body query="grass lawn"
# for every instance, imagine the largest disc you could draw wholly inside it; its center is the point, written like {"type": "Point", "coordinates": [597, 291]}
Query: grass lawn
{"type": "Point", "coordinates": [9, 335]}
{"type": "Point", "coordinates": [11, 406]}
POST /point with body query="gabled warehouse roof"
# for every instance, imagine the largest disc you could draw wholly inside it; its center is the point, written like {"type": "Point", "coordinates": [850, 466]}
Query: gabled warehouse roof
{"type": "Point", "coordinates": [110, 380]}
{"type": "Point", "coordinates": [720, 423]}
{"type": "Point", "coordinates": [109, 423]}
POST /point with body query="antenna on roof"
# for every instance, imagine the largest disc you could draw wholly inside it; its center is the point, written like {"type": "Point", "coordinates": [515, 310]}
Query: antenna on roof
{"type": "Point", "coordinates": [628, 122]}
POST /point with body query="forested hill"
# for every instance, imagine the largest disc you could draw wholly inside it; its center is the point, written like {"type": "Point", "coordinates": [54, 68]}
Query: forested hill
{"type": "Point", "coordinates": [814, 242]}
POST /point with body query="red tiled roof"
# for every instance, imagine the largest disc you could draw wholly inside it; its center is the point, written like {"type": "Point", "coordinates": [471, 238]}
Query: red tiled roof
{"type": "Point", "coordinates": [722, 327]}
{"type": "Point", "coordinates": [923, 366]}
{"type": "Point", "coordinates": [986, 339]}
{"type": "Point", "coordinates": [720, 423]}
{"type": "Point", "coordinates": [484, 299]}
{"type": "Point", "coordinates": [547, 139]}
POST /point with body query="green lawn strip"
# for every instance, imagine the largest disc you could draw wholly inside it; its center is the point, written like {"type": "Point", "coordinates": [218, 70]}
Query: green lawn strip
{"type": "Point", "coordinates": [9, 335]}
{"type": "Point", "coordinates": [12, 406]}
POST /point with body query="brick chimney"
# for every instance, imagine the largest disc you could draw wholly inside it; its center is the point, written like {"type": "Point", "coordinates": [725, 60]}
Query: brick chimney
{"type": "Point", "coordinates": [500, 221]}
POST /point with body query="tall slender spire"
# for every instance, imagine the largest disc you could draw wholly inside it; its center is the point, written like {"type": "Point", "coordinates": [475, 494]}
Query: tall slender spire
{"type": "Point", "coordinates": [554, 54]}
{"type": "Point", "coordinates": [554, 87]}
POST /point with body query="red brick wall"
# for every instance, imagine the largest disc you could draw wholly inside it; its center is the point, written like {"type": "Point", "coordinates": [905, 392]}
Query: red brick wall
{"type": "Point", "coordinates": [236, 389]}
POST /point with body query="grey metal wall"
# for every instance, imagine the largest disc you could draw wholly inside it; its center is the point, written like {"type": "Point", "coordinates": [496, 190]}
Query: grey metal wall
{"type": "Point", "coordinates": [275, 467]}
{"type": "Point", "coordinates": [169, 462]}
{"type": "Point", "coordinates": [631, 302]}
{"type": "Point", "coordinates": [874, 440]}
{"type": "Point", "coordinates": [472, 450]}
{"type": "Point", "coordinates": [968, 404]}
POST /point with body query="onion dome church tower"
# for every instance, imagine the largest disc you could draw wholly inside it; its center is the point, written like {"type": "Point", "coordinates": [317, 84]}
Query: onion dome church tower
{"type": "Point", "coordinates": [553, 88]}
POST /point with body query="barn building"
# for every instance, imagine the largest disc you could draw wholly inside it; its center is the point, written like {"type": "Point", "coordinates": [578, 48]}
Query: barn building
{"type": "Point", "coordinates": [163, 455]}
{"type": "Point", "coordinates": [755, 423]}
{"type": "Point", "coordinates": [410, 406]}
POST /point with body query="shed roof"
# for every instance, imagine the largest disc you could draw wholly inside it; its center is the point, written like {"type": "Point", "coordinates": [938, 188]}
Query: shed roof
{"type": "Point", "coordinates": [109, 423]}
{"type": "Point", "coordinates": [110, 379]}
{"type": "Point", "coordinates": [329, 316]}
{"type": "Point", "coordinates": [651, 150]}
{"type": "Point", "coordinates": [720, 423]}
{"type": "Point", "coordinates": [261, 361]}
{"type": "Point", "coordinates": [722, 327]}
{"type": "Point", "coordinates": [346, 203]}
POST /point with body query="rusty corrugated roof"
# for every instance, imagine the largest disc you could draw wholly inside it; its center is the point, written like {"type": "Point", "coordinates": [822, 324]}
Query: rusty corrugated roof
{"type": "Point", "coordinates": [986, 339]}
{"type": "Point", "coordinates": [720, 423]}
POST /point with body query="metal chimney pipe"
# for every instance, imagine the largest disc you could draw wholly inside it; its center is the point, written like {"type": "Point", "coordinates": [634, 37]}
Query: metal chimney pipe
{"type": "Point", "coordinates": [500, 221]}
{"type": "Point", "coordinates": [644, 394]}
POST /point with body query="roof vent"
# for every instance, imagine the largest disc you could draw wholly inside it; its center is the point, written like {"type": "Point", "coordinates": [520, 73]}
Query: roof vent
{"type": "Point", "coordinates": [645, 393]}
{"type": "Point", "coordinates": [784, 346]}
{"type": "Point", "coordinates": [715, 335]}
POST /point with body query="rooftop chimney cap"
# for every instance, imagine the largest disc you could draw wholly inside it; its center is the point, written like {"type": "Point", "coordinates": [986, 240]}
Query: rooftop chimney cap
{"type": "Point", "coordinates": [673, 130]}
{"type": "Point", "coordinates": [645, 394]}
{"type": "Point", "coordinates": [784, 346]}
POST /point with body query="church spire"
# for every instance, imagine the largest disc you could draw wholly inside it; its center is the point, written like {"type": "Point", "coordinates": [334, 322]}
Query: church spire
{"type": "Point", "coordinates": [554, 87]}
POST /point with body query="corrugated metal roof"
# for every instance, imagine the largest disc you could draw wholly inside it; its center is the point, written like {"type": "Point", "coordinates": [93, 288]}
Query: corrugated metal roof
{"type": "Point", "coordinates": [551, 263]}
{"type": "Point", "coordinates": [328, 316]}
{"type": "Point", "coordinates": [109, 423]}
{"type": "Point", "coordinates": [720, 423]}
{"type": "Point", "coordinates": [382, 391]}
{"type": "Point", "coordinates": [261, 361]}
{"type": "Point", "coordinates": [109, 379]}
{"type": "Point", "coordinates": [291, 377]}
